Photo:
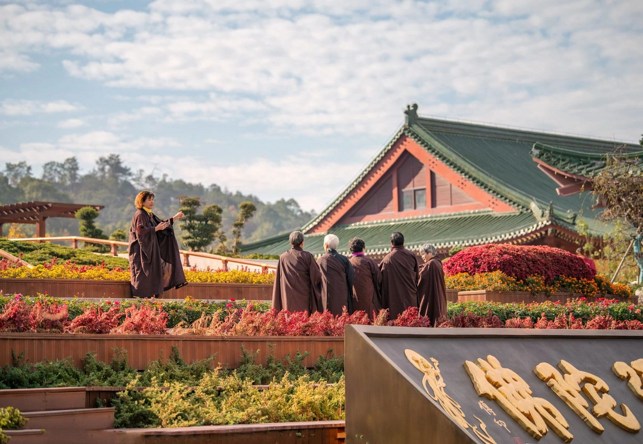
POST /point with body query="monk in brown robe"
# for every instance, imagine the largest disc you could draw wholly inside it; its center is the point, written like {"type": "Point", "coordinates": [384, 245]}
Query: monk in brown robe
{"type": "Point", "coordinates": [432, 291]}
{"type": "Point", "coordinates": [154, 258]}
{"type": "Point", "coordinates": [337, 278]}
{"type": "Point", "coordinates": [399, 277]}
{"type": "Point", "coordinates": [298, 280]}
{"type": "Point", "coordinates": [367, 281]}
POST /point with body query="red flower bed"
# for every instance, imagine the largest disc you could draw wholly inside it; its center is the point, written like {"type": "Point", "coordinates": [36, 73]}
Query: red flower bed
{"type": "Point", "coordinates": [53, 316]}
{"type": "Point", "coordinates": [519, 261]}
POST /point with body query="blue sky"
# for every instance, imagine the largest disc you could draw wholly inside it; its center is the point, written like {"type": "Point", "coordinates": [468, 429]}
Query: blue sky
{"type": "Point", "coordinates": [291, 98]}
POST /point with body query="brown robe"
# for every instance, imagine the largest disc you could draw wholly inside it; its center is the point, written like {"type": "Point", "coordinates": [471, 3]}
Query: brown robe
{"type": "Point", "coordinates": [366, 285]}
{"type": "Point", "coordinates": [399, 279]}
{"type": "Point", "coordinates": [336, 283]}
{"type": "Point", "coordinates": [432, 291]}
{"type": "Point", "coordinates": [154, 258]}
{"type": "Point", "coordinates": [297, 282]}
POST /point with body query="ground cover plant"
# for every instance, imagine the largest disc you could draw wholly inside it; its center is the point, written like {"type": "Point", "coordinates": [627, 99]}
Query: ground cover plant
{"type": "Point", "coordinates": [117, 373]}
{"type": "Point", "coordinates": [10, 419]}
{"type": "Point", "coordinates": [43, 314]}
{"type": "Point", "coordinates": [165, 392]}
{"type": "Point", "coordinates": [41, 253]}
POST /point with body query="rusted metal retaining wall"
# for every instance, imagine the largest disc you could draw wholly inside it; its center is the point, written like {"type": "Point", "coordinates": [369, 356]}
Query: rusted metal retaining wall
{"type": "Point", "coordinates": [506, 297]}
{"type": "Point", "coordinates": [119, 289]}
{"type": "Point", "coordinates": [318, 432]}
{"type": "Point", "coordinates": [143, 349]}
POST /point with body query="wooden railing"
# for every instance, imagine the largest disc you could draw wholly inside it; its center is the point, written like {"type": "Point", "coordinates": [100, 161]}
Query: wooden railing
{"type": "Point", "coordinates": [11, 258]}
{"type": "Point", "coordinates": [226, 262]}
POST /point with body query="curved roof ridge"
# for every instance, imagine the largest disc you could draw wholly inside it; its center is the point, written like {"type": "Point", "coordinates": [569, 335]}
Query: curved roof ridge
{"type": "Point", "coordinates": [582, 154]}
{"type": "Point", "coordinates": [468, 126]}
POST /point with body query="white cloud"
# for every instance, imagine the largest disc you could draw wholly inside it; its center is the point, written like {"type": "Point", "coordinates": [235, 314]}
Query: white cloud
{"type": "Point", "coordinates": [297, 69]}
{"type": "Point", "coordinates": [311, 183]}
{"type": "Point", "coordinates": [71, 123]}
{"type": "Point", "coordinates": [344, 68]}
{"type": "Point", "coordinates": [11, 107]}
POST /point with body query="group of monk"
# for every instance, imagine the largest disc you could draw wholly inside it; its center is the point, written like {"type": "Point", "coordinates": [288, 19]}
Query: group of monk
{"type": "Point", "coordinates": [335, 282]}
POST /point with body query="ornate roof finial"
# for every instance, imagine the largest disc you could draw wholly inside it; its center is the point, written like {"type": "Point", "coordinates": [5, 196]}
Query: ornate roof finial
{"type": "Point", "coordinates": [411, 114]}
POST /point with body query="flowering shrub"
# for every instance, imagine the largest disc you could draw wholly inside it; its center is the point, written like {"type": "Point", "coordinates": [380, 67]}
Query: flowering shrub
{"type": "Point", "coordinates": [519, 261]}
{"type": "Point", "coordinates": [70, 270]}
{"type": "Point", "coordinates": [96, 320]}
{"type": "Point", "coordinates": [499, 281]}
{"type": "Point", "coordinates": [16, 315]}
{"type": "Point", "coordinates": [145, 320]}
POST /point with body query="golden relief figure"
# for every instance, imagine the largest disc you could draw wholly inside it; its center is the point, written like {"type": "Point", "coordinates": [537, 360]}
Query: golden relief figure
{"type": "Point", "coordinates": [632, 373]}
{"type": "Point", "coordinates": [435, 387]}
{"type": "Point", "coordinates": [568, 388]}
{"type": "Point", "coordinates": [514, 396]}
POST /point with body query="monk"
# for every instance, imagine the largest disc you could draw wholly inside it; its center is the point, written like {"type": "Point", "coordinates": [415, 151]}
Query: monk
{"type": "Point", "coordinates": [154, 258]}
{"type": "Point", "coordinates": [298, 280]}
{"type": "Point", "coordinates": [368, 278]}
{"type": "Point", "coordinates": [337, 278]}
{"type": "Point", "coordinates": [432, 291]}
{"type": "Point", "coordinates": [399, 277]}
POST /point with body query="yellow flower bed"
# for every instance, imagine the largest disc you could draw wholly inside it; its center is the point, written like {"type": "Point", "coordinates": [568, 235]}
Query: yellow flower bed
{"type": "Point", "coordinates": [100, 273]}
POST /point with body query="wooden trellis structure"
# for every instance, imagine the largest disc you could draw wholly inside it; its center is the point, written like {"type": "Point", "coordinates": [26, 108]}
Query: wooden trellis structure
{"type": "Point", "coordinates": [38, 213]}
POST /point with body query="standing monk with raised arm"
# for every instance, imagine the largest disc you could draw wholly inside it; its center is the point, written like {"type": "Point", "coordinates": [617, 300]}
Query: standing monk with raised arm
{"type": "Point", "coordinates": [154, 258]}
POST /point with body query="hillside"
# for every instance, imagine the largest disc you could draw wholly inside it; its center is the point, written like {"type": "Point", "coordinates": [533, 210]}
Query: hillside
{"type": "Point", "coordinates": [114, 185]}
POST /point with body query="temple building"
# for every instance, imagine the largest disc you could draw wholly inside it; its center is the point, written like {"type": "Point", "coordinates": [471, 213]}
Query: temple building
{"type": "Point", "coordinates": [456, 184]}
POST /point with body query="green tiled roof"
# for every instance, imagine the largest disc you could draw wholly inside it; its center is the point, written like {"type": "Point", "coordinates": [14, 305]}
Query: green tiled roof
{"type": "Point", "coordinates": [443, 231]}
{"type": "Point", "coordinates": [499, 160]}
{"type": "Point", "coordinates": [576, 162]}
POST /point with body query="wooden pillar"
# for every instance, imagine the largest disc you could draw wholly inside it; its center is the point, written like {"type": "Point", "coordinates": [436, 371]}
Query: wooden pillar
{"type": "Point", "coordinates": [186, 260]}
{"type": "Point", "coordinates": [225, 264]}
{"type": "Point", "coordinates": [74, 243]}
{"type": "Point", "coordinates": [41, 229]}
{"type": "Point", "coordinates": [1, 233]}
{"type": "Point", "coordinates": [429, 188]}
{"type": "Point", "coordinates": [114, 249]}
{"type": "Point", "coordinates": [396, 202]}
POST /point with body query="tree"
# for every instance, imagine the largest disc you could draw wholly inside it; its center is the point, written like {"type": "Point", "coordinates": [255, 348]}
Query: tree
{"type": "Point", "coordinates": [112, 167]}
{"type": "Point", "coordinates": [64, 173]}
{"type": "Point", "coordinates": [246, 210]}
{"type": "Point", "coordinates": [38, 189]}
{"type": "Point", "coordinates": [87, 216]}
{"type": "Point", "coordinates": [9, 194]}
{"type": "Point", "coordinates": [15, 172]}
{"type": "Point", "coordinates": [199, 230]}
{"type": "Point", "coordinates": [618, 187]}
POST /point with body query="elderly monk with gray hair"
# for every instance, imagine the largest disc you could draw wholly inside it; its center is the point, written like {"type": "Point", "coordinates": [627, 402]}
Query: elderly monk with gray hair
{"type": "Point", "coordinates": [297, 280]}
{"type": "Point", "coordinates": [337, 278]}
{"type": "Point", "coordinates": [432, 291]}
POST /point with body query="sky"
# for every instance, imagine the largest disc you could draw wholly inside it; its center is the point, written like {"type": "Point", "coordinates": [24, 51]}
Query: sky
{"type": "Point", "coordinates": [291, 98]}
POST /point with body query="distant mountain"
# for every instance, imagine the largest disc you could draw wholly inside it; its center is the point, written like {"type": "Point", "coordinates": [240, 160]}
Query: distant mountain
{"type": "Point", "coordinates": [114, 185]}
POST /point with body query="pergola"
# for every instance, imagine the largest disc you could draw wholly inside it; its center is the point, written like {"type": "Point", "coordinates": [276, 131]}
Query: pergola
{"type": "Point", "coordinates": [38, 213]}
